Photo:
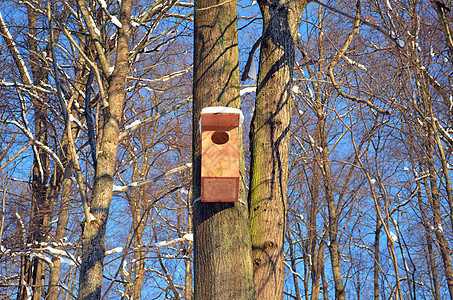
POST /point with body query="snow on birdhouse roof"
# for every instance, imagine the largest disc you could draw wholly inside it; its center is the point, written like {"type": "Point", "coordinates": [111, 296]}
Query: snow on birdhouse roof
{"type": "Point", "coordinates": [223, 110]}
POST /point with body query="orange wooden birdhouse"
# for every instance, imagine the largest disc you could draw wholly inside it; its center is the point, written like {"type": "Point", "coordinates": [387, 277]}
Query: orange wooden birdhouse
{"type": "Point", "coordinates": [220, 154]}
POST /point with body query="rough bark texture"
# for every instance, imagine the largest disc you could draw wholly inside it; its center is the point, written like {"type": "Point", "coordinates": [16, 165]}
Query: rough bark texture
{"type": "Point", "coordinates": [93, 236]}
{"type": "Point", "coordinates": [222, 264]}
{"type": "Point", "coordinates": [270, 144]}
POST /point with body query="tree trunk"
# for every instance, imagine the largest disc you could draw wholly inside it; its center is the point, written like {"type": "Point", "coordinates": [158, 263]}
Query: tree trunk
{"type": "Point", "coordinates": [222, 264]}
{"type": "Point", "coordinates": [40, 208]}
{"type": "Point", "coordinates": [63, 217]}
{"type": "Point", "coordinates": [434, 195]}
{"type": "Point", "coordinates": [93, 235]}
{"type": "Point", "coordinates": [270, 144]}
{"type": "Point", "coordinates": [334, 248]}
{"type": "Point", "coordinates": [376, 257]}
{"type": "Point", "coordinates": [188, 282]}
{"type": "Point", "coordinates": [140, 214]}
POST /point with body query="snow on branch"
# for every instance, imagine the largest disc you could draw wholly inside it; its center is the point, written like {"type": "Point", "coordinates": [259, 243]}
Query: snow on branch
{"type": "Point", "coordinates": [337, 58]}
{"type": "Point", "coordinates": [169, 76]}
{"type": "Point", "coordinates": [292, 271]}
{"type": "Point", "coordinates": [444, 132]}
{"type": "Point", "coordinates": [12, 47]}
{"type": "Point", "coordinates": [22, 226]}
{"type": "Point", "coordinates": [42, 257]}
{"type": "Point", "coordinates": [118, 189]}
{"type": "Point", "coordinates": [28, 88]}
{"type": "Point", "coordinates": [114, 250]}
{"type": "Point", "coordinates": [354, 63]}
{"type": "Point", "coordinates": [139, 124]}
{"type": "Point", "coordinates": [184, 4]}
{"type": "Point", "coordinates": [114, 19]}
{"type": "Point", "coordinates": [247, 90]}
{"type": "Point", "coordinates": [38, 143]}
{"type": "Point", "coordinates": [186, 237]}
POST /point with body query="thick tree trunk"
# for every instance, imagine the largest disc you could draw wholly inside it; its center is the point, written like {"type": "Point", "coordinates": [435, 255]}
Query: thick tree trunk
{"type": "Point", "coordinates": [93, 236]}
{"type": "Point", "coordinates": [270, 144]}
{"type": "Point", "coordinates": [222, 264]}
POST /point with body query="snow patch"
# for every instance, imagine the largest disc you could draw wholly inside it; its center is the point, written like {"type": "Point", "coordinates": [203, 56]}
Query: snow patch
{"type": "Point", "coordinates": [354, 63]}
{"type": "Point", "coordinates": [66, 260]}
{"type": "Point", "coordinates": [252, 70]}
{"type": "Point", "coordinates": [439, 228]}
{"type": "Point", "coordinates": [96, 30]}
{"type": "Point", "coordinates": [123, 268]}
{"type": "Point", "coordinates": [188, 236]}
{"type": "Point", "coordinates": [247, 90]}
{"type": "Point", "coordinates": [29, 291]}
{"type": "Point", "coordinates": [387, 3]}
{"type": "Point", "coordinates": [117, 188]}
{"type": "Point", "coordinates": [3, 249]}
{"type": "Point", "coordinates": [161, 244]}
{"type": "Point", "coordinates": [393, 236]}
{"type": "Point", "coordinates": [114, 250]}
{"type": "Point", "coordinates": [74, 120]}
{"type": "Point", "coordinates": [54, 251]}
{"type": "Point", "coordinates": [401, 43]}
{"type": "Point", "coordinates": [312, 95]}
{"type": "Point", "coordinates": [184, 191]}
{"type": "Point", "coordinates": [116, 22]}
{"type": "Point", "coordinates": [43, 257]}
{"type": "Point", "coordinates": [103, 4]}
{"type": "Point", "coordinates": [136, 122]}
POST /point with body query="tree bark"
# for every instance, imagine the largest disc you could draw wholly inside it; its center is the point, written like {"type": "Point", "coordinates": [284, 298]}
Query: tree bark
{"type": "Point", "coordinates": [270, 144]}
{"type": "Point", "coordinates": [40, 208]}
{"type": "Point", "coordinates": [222, 263]}
{"type": "Point", "coordinates": [376, 258]}
{"type": "Point", "coordinates": [93, 235]}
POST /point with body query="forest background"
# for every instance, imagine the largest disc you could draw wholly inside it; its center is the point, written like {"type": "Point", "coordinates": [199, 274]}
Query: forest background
{"type": "Point", "coordinates": [96, 147]}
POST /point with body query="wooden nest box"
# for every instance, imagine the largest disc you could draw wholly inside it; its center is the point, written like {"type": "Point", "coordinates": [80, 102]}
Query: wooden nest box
{"type": "Point", "coordinates": [220, 154]}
